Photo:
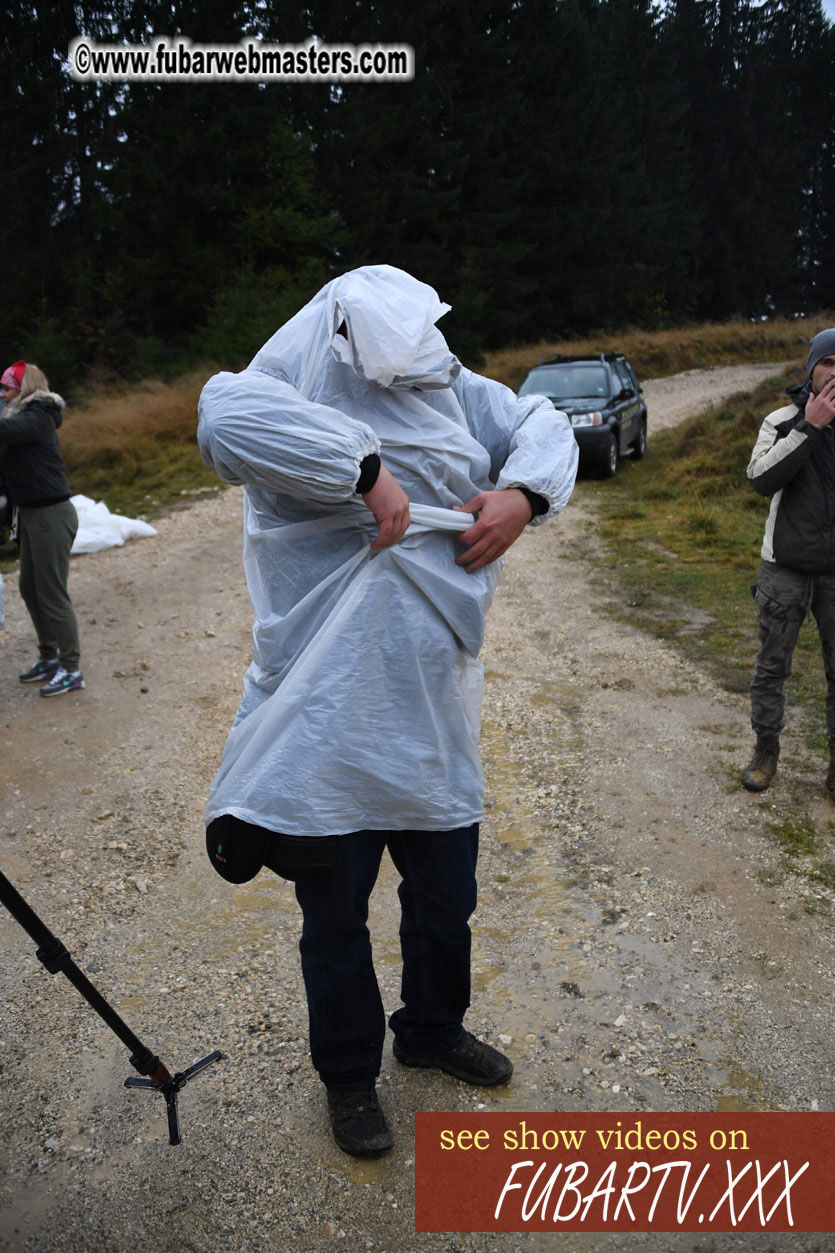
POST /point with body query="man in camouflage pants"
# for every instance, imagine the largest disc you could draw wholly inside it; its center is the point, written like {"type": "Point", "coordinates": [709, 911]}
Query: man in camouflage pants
{"type": "Point", "coordinates": [794, 462]}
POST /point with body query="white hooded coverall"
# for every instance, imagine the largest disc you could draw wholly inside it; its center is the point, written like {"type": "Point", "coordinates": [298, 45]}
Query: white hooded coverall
{"type": "Point", "coordinates": [361, 705]}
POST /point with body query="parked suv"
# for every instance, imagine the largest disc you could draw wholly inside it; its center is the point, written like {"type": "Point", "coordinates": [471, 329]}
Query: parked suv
{"type": "Point", "coordinates": [604, 402]}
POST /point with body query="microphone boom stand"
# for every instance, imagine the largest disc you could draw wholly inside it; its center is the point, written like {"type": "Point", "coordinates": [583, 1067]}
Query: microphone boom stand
{"type": "Point", "coordinates": [54, 956]}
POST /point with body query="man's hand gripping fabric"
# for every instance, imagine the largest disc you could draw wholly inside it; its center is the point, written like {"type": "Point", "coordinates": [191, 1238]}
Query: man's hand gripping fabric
{"type": "Point", "coordinates": [390, 506]}
{"type": "Point", "coordinates": [502, 517]}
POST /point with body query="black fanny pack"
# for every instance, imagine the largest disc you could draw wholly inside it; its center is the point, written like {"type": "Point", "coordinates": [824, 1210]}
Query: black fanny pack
{"type": "Point", "coordinates": [238, 850]}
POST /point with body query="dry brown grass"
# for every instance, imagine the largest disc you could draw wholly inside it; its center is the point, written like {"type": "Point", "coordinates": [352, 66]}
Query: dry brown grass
{"type": "Point", "coordinates": [151, 409]}
{"type": "Point", "coordinates": [656, 354]}
{"type": "Point", "coordinates": [136, 448]}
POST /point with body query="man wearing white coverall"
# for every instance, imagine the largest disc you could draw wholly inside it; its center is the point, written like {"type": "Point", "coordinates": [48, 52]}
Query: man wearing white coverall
{"type": "Point", "coordinates": [383, 484]}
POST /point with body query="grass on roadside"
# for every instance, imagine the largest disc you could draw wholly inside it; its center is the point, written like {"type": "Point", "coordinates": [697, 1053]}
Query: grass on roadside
{"type": "Point", "coordinates": [656, 354]}
{"type": "Point", "coordinates": [796, 836]}
{"type": "Point", "coordinates": [683, 530]}
{"type": "Point", "coordinates": [136, 449]}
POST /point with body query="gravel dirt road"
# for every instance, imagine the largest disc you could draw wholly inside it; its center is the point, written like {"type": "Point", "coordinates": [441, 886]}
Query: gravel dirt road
{"type": "Point", "coordinates": [636, 944]}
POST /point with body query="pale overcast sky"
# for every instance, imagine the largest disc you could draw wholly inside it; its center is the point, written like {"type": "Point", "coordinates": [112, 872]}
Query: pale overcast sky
{"type": "Point", "coordinates": [829, 9]}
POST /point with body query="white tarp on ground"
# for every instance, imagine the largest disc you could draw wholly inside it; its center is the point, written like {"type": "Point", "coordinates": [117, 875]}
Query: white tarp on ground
{"type": "Point", "coordinates": [98, 528]}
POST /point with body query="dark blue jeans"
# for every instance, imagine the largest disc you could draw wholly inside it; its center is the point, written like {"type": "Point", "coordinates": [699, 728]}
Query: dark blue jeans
{"type": "Point", "coordinates": [437, 896]}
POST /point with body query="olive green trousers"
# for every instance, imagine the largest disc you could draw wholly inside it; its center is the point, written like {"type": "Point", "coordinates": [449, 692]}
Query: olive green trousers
{"type": "Point", "coordinates": [46, 536]}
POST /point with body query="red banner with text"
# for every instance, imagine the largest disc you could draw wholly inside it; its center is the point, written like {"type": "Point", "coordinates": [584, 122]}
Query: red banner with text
{"type": "Point", "coordinates": [624, 1172]}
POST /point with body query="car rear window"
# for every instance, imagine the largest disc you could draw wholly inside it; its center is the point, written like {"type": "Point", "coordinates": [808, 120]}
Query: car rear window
{"type": "Point", "coordinates": [567, 382]}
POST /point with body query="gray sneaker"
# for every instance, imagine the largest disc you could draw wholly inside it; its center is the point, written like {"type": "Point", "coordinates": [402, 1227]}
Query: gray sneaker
{"type": "Point", "coordinates": [63, 681]}
{"type": "Point", "coordinates": [41, 671]}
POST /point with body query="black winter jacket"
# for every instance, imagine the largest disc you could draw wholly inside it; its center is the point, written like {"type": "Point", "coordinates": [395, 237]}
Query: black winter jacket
{"type": "Point", "coordinates": [31, 465]}
{"type": "Point", "coordinates": [794, 462]}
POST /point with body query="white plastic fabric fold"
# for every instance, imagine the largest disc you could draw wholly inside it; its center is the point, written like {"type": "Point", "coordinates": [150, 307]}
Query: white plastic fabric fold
{"type": "Point", "coordinates": [361, 705]}
{"type": "Point", "coordinates": [393, 339]}
{"type": "Point", "coordinates": [98, 528]}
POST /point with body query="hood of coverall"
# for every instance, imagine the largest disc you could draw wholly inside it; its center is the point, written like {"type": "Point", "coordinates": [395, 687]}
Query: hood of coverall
{"type": "Point", "coordinates": [377, 320]}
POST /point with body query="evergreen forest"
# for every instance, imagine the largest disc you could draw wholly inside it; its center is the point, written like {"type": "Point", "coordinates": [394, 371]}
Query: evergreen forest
{"type": "Point", "coordinates": [555, 166]}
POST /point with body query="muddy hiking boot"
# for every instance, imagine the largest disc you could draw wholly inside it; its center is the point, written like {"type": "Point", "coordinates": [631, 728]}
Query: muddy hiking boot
{"type": "Point", "coordinates": [830, 777]}
{"type": "Point", "coordinates": [358, 1124]}
{"type": "Point", "coordinates": [762, 767]}
{"type": "Point", "coordinates": [469, 1059]}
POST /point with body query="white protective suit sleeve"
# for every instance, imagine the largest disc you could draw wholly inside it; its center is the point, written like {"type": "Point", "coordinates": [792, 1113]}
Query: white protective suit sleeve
{"type": "Point", "coordinates": [258, 430]}
{"type": "Point", "coordinates": [531, 444]}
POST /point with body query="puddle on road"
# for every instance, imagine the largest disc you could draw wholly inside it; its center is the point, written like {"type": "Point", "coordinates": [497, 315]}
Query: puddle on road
{"type": "Point", "coordinates": [740, 1081]}
{"type": "Point", "coordinates": [510, 818]}
{"type": "Point", "coordinates": [85, 1102]}
{"type": "Point", "coordinates": [250, 912]}
{"type": "Point", "coordinates": [738, 1105]}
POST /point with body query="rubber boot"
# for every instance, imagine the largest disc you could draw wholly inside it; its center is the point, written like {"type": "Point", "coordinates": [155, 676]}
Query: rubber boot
{"type": "Point", "coordinates": [762, 767]}
{"type": "Point", "coordinates": [830, 778]}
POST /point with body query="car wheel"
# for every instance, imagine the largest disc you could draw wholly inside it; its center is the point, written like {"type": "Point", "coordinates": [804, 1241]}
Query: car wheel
{"type": "Point", "coordinates": [639, 448]}
{"type": "Point", "coordinates": [608, 464]}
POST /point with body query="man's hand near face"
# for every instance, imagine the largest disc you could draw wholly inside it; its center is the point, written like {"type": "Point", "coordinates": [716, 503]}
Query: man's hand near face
{"type": "Point", "coordinates": [502, 517]}
{"type": "Point", "coordinates": [820, 409]}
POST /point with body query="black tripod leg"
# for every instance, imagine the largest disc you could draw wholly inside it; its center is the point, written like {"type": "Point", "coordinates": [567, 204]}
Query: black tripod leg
{"type": "Point", "coordinates": [55, 958]}
{"type": "Point", "coordinates": [216, 1056]}
{"type": "Point", "coordinates": [174, 1136]}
